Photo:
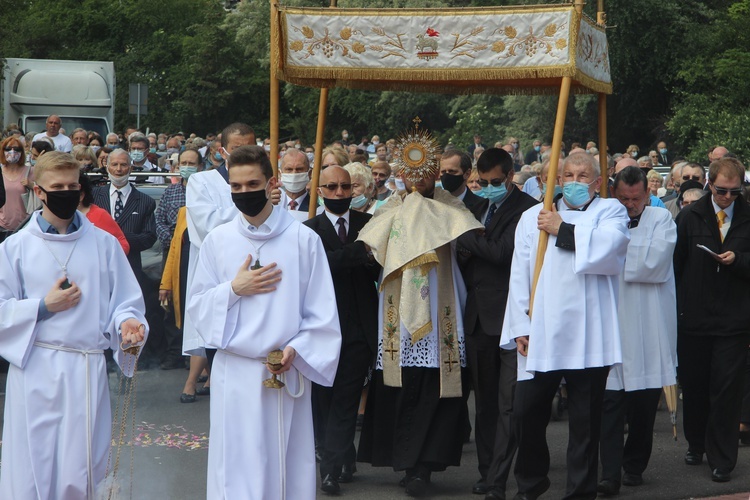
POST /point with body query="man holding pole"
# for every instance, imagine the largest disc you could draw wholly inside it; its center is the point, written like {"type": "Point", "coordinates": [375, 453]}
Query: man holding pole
{"type": "Point", "coordinates": [566, 325]}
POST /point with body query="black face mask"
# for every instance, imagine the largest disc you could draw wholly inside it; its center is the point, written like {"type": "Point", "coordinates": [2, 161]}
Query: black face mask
{"type": "Point", "coordinates": [337, 206]}
{"type": "Point", "coordinates": [250, 203]}
{"type": "Point", "coordinates": [451, 182]}
{"type": "Point", "coordinates": [380, 183]}
{"type": "Point", "coordinates": [62, 204]}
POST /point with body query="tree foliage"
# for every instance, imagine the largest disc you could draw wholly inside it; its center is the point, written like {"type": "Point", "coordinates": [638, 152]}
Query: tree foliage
{"type": "Point", "coordinates": [675, 76]}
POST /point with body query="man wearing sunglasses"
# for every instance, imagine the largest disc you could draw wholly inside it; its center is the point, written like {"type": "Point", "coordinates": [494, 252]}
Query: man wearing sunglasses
{"type": "Point", "coordinates": [62, 141]}
{"type": "Point", "coordinates": [485, 265]}
{"type": "Point", "coordinates": [713, 291]}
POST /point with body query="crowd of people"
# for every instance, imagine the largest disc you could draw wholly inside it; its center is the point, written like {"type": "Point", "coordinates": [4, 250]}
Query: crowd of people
{"type": "Point", "coordinates": [406, 291]}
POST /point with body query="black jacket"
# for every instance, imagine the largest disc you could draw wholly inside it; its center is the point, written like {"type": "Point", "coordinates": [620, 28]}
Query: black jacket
{"type": "Point", "coordinates": [354, 276]}
{"type": "Point", "coordinates": [471, 200]}
{"type": "Point", "coordinates": [712, 299]}
{"type": "Point", "coordinates": [485, 262]}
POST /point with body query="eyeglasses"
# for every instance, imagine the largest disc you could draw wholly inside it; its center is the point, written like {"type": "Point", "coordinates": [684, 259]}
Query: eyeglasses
{"type": "Point", "coordinates": [14, 148]}
{"type": "Point", "coordinates": [693, 177]}
{"type": "Point", "coordinates": [494, 182]}
{"type": "Point", "coordinates": [726, 191]}
{"type": "Point", "coordinates": [345, 186]}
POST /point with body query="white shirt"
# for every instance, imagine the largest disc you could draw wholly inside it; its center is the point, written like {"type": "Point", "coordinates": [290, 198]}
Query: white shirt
{"type": "Point", "coordinates": [298, 202]}
{"type": "Point", "coordinates": [125, 192]}
{"type": "Point", "coordinates": [335, 220]}
{"type": "Point", "coordinates": [62, 142]}
{"type": "Point", "coordinates": [264, 228]}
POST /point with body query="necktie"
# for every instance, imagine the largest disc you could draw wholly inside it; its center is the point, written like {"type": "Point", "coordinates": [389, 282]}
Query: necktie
{"type": "Point", "coordinates": [118, 204]}
{"type": "Point", "coordinates": [490, 213]}
{"type": "Point", "coordinates": [342, 230]}
{"type": "Point", "coordinates": [292, 205]}
{"type": "Point", "coordinates": [720, 216]}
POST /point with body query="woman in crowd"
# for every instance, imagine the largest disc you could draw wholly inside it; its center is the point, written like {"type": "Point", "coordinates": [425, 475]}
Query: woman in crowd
{"type": "Point", "coordinates": [16, 176]}
{"type": "Point", "coordinates": [362, 184]}
{"type": "Point", "coordinates": [98, 216]}
{"type": "Point", "coordinates": [95, 142]}
{"type": "Point", "coordinates": [86, 157]}
{"type": "Point", "coordinates": [473, 181]}
{"type": "Point", "coordinates": [655, 182]}
{"type": "Point", "coordinates": [101, 159]}
{"type": "Point", "coordinates": [333, 155]}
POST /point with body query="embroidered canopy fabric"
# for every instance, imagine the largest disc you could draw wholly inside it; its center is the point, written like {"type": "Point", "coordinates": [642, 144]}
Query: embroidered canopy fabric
{"type": "Point", "coordinates": [494, 50]}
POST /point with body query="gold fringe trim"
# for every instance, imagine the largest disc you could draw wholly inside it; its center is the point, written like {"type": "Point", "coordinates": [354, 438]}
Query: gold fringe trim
{"type": "Point", "coordinates": [421, 332]}
{"type": "Point", "coordinates": [426, 261]}
{"type": "Point", "coordinates": [440, 11]}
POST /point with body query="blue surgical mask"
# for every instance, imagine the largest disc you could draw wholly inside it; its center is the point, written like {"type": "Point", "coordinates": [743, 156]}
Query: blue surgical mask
{"type": "Point", "coordinates": [137, 156]}
{"type": "Point", "coordinates": [537, 148]}
{"type": "Point", "coordinates": [217, 156]}
{"type": "Point", "coordinates": [186, 172]}
{"type": "Point", "coordinates": [152, 150]}
{"type": "Point", "coordinates": [359, 201]}
{"type": "Point", "coordinates": [400, 186]}
{"type": "Point", "coordinates": [439, 184]}
{"type": "Point", "coordinates": [576, 193]}
{"type": "Point", "coordinates": [558, 189]}
{"type": "Point", "coordinates": [663, 151]}
{"type": "Point", "coordinates": [95, 148]}
{"type": "Point", "coordinates": [494, 193]}
{"type": "Point", "coordinates": [32, 161]}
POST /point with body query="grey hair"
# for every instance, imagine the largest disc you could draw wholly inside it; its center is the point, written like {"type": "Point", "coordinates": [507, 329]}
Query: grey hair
{"type": "Point", "coordinates": [118, 152]}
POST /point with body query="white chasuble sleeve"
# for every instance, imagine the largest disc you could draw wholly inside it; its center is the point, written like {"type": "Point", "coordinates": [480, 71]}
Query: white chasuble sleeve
{"type": "Point", "coordinates": [18, 315]}
{"type": "Point", "coordinates": [209, 204]}
{"type": "Point", "coordinates": [602, 240]}
{"type": "Point", "coordinates": [649, 258]}
{"type": "Point", "coordinates": [318, 343]}
{"type": "Point", "coordinates": [125, 302]}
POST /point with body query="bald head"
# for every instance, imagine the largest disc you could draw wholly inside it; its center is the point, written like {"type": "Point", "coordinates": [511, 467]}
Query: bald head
{"type": "Point", "coordinates": [718, 153]}
{"type": "Point", "coordinates": [625, 162]}
{"type": "Point", "coordinates": [334, 173]}
{"type": "Point", "coordinates": [577, 151]}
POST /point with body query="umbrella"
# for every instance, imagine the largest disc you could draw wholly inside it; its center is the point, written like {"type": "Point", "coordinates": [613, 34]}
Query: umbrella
{"type": "Point", "coordinates": [670, 392]}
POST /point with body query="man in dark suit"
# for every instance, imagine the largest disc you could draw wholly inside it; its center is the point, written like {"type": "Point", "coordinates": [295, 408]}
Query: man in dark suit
{"type": "Point", "coordinates": [713, 291]}
{"type": "Point", "coordinates": [476, 144]}
{"type": "Point", "coordinates": [485, 263]}
{"type": "Point", "coordinates": [354, 273]}
{"type": "Point", "coordinates": [134, 213]}
{"type": "Point", "coordinates": [455, 170]}
{"type": "Point", "coordinates": [664, 156]}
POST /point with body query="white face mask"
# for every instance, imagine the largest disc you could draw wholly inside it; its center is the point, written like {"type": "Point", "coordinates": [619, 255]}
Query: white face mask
{"type": "Point", "coordinates": [119, 182]}
{"type": "Point", "coordinates": [400, 184]}
{"type": "Point", "coordinates": [294, 183]}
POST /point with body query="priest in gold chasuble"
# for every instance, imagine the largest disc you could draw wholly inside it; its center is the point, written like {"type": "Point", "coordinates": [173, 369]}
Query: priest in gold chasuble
{"type": "Point", "coordinates": [416, 419]}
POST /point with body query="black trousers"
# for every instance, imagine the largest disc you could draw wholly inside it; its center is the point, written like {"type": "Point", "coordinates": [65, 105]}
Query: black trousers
{"type": "Point", "coordinates": [745, 412]}
{"type": "Point", "coordinates": [531, 413]}
{"type": "Point", "coordinates": [640, 409]}
{"type": "Point", "coordinates": [336, 408]}
{"type": "Point", "coordinates": [711, 371]}
{"type": "Point", "coordinates": [493, 377]}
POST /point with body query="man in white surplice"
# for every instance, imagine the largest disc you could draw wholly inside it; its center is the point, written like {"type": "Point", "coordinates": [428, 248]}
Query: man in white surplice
{"type": "Point", "coordinates": [648, 332]}
{"type": "Point", "coordinates": [572, 331]}
{"type": "Point", "coordinates": [262, 283]}
{"type": "Point", "coordinates": [67, 293]}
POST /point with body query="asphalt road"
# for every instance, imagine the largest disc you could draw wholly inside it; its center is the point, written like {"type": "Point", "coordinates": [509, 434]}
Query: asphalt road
{"type": "Point", "coordinates": [172, 439]}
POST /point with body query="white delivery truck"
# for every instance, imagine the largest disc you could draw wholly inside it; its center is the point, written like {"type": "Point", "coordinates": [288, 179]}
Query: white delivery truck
{"type": "Point", "coordinates": [82, 93]}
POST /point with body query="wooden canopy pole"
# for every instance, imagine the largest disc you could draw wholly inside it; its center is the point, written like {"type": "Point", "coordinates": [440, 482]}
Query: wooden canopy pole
{"type": "Point", "coordinates": [562, 108]}
{"type": "Point", "coordinates": [274, 119]}
{"type": "Point", "coordinates": [319, 143]}
{"type": "Point", "coordinates": [601, 19]}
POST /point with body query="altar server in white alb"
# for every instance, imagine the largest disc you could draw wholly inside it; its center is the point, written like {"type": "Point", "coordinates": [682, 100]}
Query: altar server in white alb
{"type": "Point", "coordinates": [262, 283]}
{"type": "Point", "coordinates": [572, 331]}
{"type": "Point", "coordinates": [648, 331]}
{"type": "Point", "coordinates": [67, 293]}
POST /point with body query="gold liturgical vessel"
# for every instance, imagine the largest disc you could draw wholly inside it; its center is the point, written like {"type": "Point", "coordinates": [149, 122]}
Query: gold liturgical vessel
{"type": "Point", "coordinates": [274, 362]}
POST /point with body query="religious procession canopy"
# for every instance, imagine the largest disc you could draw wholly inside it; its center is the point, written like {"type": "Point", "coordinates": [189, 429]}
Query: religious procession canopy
{"type": "Point", "coordinates": [516, 50]}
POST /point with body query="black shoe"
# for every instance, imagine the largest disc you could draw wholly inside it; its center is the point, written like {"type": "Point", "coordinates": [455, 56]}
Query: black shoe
{"type": "Point", "coordinates": [693, 458]}
{"type": "Point", "coordinates": [202, 379]}
{"type": "Point", "coordinates": [187, 398]}
{"type": "Point", "coordinates": [347, 473]}
{"type": "Point", "coordinates": [535, 492]}
{"type": "Point", "coordinates": [608, 487]}
{"type": "Point", "coordinates": [172, 363]}
{"type": "Point", "coordinates": [416, 486]}
{"type": "Point", "coordinates": [402, 482]}
{"type": "Point", "coordinates": [204, 391]}
{"type": "Point", "coordinates": [745, 437]}
{"type": "Point", "coordinates": [330, 485]}
{"type": "Point", "coordinates": [494, 494]}
{"type": "Point", "coordinates": [480, 487]}
{"type": "Point", "coordinates": [720, 475]}
{"type": "Point", "coordinates": [629, 479]}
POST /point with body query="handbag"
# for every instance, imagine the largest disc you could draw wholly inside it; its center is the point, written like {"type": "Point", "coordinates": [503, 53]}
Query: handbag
{"type": "Point", "coordinates": [30, 200]}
